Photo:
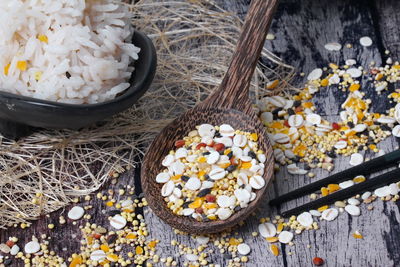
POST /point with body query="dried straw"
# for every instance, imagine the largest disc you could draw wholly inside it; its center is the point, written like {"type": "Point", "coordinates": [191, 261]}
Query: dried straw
{"type": "Point", "coordinates": [194, 42]}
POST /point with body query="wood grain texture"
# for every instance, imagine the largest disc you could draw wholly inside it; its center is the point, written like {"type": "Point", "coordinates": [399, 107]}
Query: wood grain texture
{"type": "Point", "coordinates": [301, 30]}
{"type": "Point", "coordinates": [234, 89]}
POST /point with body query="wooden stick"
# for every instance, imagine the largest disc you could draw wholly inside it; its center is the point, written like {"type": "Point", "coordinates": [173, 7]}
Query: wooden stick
{"type": "Point", "coordinates": [368, 167]}
{"type": "Point", "coordinates": [349, 192]}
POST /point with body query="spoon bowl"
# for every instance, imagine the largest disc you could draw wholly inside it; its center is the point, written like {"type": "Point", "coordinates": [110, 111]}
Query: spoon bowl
{"type": "Point", "coordinates": [179, 128]}
{"type": "Point", "coordinates": [229, 104]}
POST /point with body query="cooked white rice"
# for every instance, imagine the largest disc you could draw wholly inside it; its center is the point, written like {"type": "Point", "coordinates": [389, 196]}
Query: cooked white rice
{"type": "Point", "coordinates": [71, 51]}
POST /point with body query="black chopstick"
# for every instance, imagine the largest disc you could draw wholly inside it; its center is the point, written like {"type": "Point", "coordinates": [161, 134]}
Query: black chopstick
{"type": "Point", "coordinates": [371, 166]}
{"type": "Point", "coordinates": [370, 184]}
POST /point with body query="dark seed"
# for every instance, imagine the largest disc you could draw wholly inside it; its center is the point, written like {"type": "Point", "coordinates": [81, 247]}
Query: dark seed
{"type": "Point", "coordinates": [291, 111]}
{"type": "Point", "coordinates": [207, 177]}
{"type": "Point", "coordinates": [113, 212]}
{"type": "Point", "coordinates": [296, 159]}
{"type": "Point", "coordinates": [360, 148]}
{"type": "Point", "coordinates": [231, 168]}
{"type": "Point", "coordinates": [68, 75]}
{"type": "Point", "coordinates": [206, 153]}
{"type": "Point", "coordinates": [350, 124]}
{"type": "Point", "coordinates": [111, 239]}
{"type": "Point", "coordinates": [296, 103]}
{"type": "Point", "coordinates": [204, 192]}
{"type": "Point", "coordinates": [227, 256]}
{"type": "Point", "coordinates": [204, 217]}
{"type": "Point", "coordinates": [331, 154]}
{"type": "Point", "coordinates": [185, 178]}
{"type": "Point", "coordinates": [217, 134]}
{"type": "Point", "coordinates": [275, 111]}
{"type": "Point", "coordinates": [242, 186]}
{"type": "Point", "coordinates": [230, 155]}
{"type": "Point", "coordinates": [307, 167]}
{"type": "Point", "coordinates": [385, 127]}
{"type": "Point", "coordinates": [141, 195]}
{"type": "Point", "coordinates": [252, 154]}
{"type": "Point", "coordinates": [237, 208]}
{"type": "Point", "coordinates": [186, 204]}
{"type": "Point", "coordinates": [179, 186]}
{"type": "Point", "coordinates": [7, 262]}
{"type": "Point", "coordinates": [221, 152]}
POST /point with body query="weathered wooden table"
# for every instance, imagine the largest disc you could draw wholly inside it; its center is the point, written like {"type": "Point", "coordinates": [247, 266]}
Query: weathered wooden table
{"type": "Point", "coordinates": [301, 29]}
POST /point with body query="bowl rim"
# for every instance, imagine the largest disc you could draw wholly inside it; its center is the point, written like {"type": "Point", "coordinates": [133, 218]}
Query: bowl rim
{"type": "Point", "coordinates": [150, 61]}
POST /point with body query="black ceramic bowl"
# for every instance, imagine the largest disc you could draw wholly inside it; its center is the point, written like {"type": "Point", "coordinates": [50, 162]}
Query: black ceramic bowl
{"type": "Point", "coordinates": [19, 115]}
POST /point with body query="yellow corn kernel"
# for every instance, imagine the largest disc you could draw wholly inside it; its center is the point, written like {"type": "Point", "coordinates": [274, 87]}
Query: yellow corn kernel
{"type": "Point", "coordinates": [274, 250]}
{"type": "Point", "coordinates": [128, 210]}
{"type": "Point", "coordinates": [6, 69]}
{"type": "Point", "coordinates": [196, 203]}
{"type": "Point", "coordinates": [233, 241]}
{"type": "Point", "coordinates": [324, 82]}
{"type": "Point", "coordinates": [372, 146]}
{"type": "Point", "coordinates": [357, 235]}
{"type": "Point", "coordinates": [76, 261]}
{"type": "Point", "coordinates": [104, 262]}
{"type": "Point", "coordinates": [253, 137]}
{"type": "Point", "coordinates": [43, 38]}
{"type": "Point", "coordinates": [176, 177]}
{"type": "Point", "coordinates": [227, 151]}
{"type": "Point", "coordinates": [333, 188]}
{"type": "Point", "coordinates": [112, 257]}
{"type": "Point", "coordinates": [360, 115]}
{"type": "Point", "coordinates": [272, 239]}
{"type": "Point", "coordinates": [105, 248]}
{"type": "Point", "coordinates": [324, 191]}
{"type": "Point", "coordinates": [279, 228]}
{"type": "Point", "coordinates": [273, 84]}
{"type": "Point", "coordinates": [394, 95]}
{"type": "Point", "coordinates": [321, 209]}
{"type": "Point", "coordinates": [89, 240]}
{"type": "Point", "coordinates": [354, 87]}
{"type": "Point", "coordinates": [379, 76]}
{"type": "Point", "coordinates": [333, 66]}
{"type": "Point", "coordinates": [139, 250]}
{"type": "Point", "coordinates": [246, 165]}
{"type": "Point", "coordinates": [131, 236]}
{"type": "Point", "coordinates": [152, 244]}
{"type": "Point", "coordinates": [224, 165]}
{"type": "Point", "coordinates": [296, 97]}
{"type": "Point", "coordinates": [285, 131]}
{"type": "Point", "coordinates": [359, 179]}
{"type": "Point", "coordinates": [308, 104]}
{"type": "Point", "coordinates": [300, 150]}
{"type": "Point", "coordinates": [109, 204]}
{"type": "Point", "coordinates": [22, 65]}
{"type": "Point", "coordinates": [276, 125]}
{"type": "Point", "coordinates": [397, 67]}
{"type": "Point", "coordinates": [351, 133]}
{"type": "Point", "coordinates": [201, 160]}
{"type": "Point", "coordinates": [210, 206]}
{"type": "Point", "coordinates": [212, 217]}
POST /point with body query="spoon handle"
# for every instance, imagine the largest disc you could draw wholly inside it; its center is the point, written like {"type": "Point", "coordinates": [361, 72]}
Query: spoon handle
{"type": "Point", "coordinates": [234, 89]}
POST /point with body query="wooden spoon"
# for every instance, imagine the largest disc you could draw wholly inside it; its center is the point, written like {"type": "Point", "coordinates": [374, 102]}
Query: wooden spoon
{"type": "Point", "coordinates": [229, 104]}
